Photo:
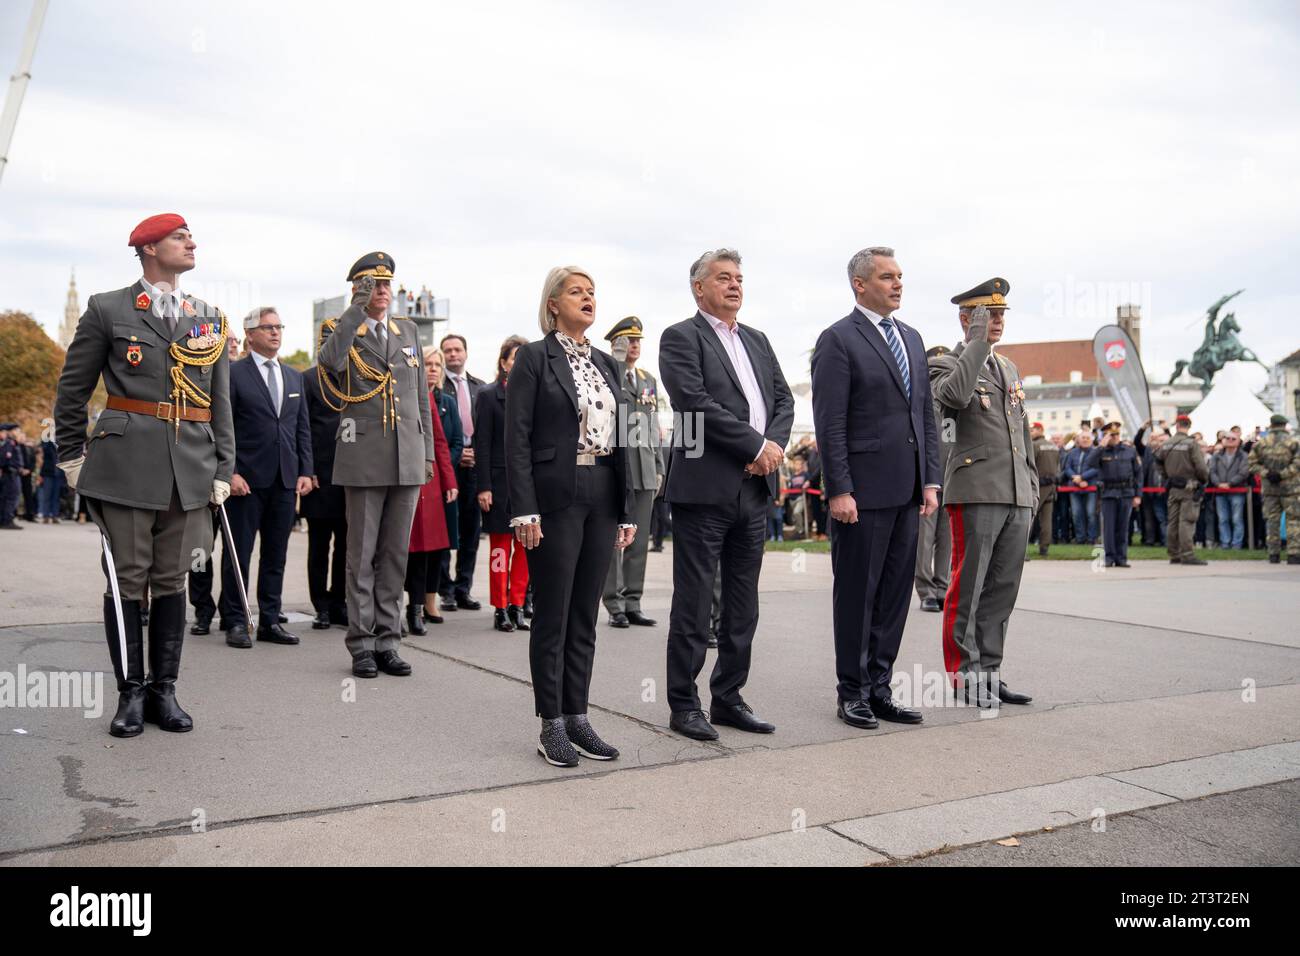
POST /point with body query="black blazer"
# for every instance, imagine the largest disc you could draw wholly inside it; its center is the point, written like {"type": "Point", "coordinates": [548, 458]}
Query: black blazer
{"type": "Point", "coordinates": [324, 422]}
{"type": "Point", "coordinates": [490, 456]}
{"type": "Point", "coordinates": [714, 414]}
{"type": "Point", "coordinates": [874, 440]}
{"type": "Point", "coordinates": [542, 430]}
{"type": "Point", "coordinates": [270, 449]}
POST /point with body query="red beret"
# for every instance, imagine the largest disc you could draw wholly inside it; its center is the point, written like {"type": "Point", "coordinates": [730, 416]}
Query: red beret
{"type": "Point", "coordinates": [1036, 425]}
{"type": "Point", "coordinates": [155, 228]}
{"type": "Point", "coordinates": [1183, 420]}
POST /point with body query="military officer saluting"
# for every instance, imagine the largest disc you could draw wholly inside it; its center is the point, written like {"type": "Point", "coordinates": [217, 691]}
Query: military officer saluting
{"type": "Point", "coordinates": [1276, 460]}
{"type": "Point", "coordinates": [990, 489]}
{"type": "Point", "coordinates": [382, 455]}
{"type": "Point", "coordinates": [1186, 474]}
{"type": "Point", "coordinates": [639, 428]}
{"type": "Point", "coordinates": [1119, 472]}
{"type": "Point", "coordinates": [162, 450]}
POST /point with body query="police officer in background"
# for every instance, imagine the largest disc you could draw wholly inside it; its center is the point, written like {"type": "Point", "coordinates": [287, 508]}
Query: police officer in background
{"type": "Point", "coordinates": [933, 536]}
{"type": "Point", "coordinates": [1186, 473]}
{"type": "Point", "coordinates": [1275, 458]}
{"type": "Point", "coordinates": [11, 465]}
{"type": "Point", "coordinates": [1119, 472]}
{"type": "Point", "coordinates": [383, 454]}
{"type": "Point", "coordinates": [160, 452]}
{"type": "Point", "coordinates": [1047, 459]}
{"type": "Point", "coordinates": [639, 424]}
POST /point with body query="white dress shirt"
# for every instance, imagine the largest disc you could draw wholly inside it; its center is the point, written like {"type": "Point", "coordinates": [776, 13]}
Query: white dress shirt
{"type": "Point", "coordinates": [734, 346]}
{"type": "Point", "coordinates": [165, 305]}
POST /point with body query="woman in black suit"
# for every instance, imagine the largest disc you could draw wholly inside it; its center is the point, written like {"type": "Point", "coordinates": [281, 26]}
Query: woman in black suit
{"type": "Point", "coordinates": [507, 566]}
{"type": "Point", "coordinates": [567, 477]}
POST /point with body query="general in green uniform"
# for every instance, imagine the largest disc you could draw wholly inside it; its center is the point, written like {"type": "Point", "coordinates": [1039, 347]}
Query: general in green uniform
{"type": "Point", "coordinates": [1276, 460]}
{"type": "Point", "coordinates": [162, 450]}
{"type": "Point", "coordinates": [990, 490]}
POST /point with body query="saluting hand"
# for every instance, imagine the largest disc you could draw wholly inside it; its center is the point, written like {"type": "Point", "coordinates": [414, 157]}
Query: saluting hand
{"type": "Point", "coordinates": [978, 327]}
{"type": "Point", "coordinates": [361, 290]}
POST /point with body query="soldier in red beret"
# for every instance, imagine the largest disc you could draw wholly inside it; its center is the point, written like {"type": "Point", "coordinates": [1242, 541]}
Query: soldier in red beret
{"type": "Point", "coordinates": [162, 450]}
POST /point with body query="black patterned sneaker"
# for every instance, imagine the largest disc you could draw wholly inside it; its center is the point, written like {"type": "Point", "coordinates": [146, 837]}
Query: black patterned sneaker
{"type": "Point", "coordinates": [585, 740]}
{"type": "Point", "coordinates": [554, 745]}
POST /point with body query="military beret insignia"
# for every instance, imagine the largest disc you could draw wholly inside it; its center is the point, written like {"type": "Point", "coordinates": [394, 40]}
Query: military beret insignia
{"type": "Point", "coordinates": [142, 301]}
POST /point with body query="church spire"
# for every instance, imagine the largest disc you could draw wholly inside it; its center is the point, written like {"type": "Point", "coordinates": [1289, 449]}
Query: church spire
{"type": "Point", "coordinates": [71, 312]}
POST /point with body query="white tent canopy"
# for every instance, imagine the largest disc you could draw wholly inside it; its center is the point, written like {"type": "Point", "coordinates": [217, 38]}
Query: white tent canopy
{"type": "Point", "coordinates": [1231, 401]}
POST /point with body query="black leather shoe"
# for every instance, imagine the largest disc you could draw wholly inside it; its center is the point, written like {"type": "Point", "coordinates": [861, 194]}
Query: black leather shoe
{"type": "Point", "coordinates": [691, 723]}
{"type": "Point", "coordinates": [275, 634]}
{"type": "Point", "coordinates": [202, 625]}
{"type": "Point", "coordinates": [281, 619]}
{"type": "Point", "coordinates": [321, 622]}
{"type": "Point", "coordinates": [739, 716]}
{"type": "Point", "coordinates": [528, 605]}
{"type": "Point", "coordinates": [467, 603]}
{"type": "Point", "coordinates": [1292, 559]}
{"type": "Point", "coordinates": [930, 604]}
{"type": "Point", "coordinates": [712, 641]}
{"type": "Point", "coordinates": [1194, 560]}
{"type": "Point", "coordinates": [390, 663]}
{"type": "Point", "coordinates": [501, 620]}
{"type": "Point", "coordinates": [516, 615]}
{"type": "Point", "coordinates": [618, 620]}
{"type": "Point", "coordinates": [639, 619]}
{"type": "Point", "coordinates": [448, 604]}
{"type": "Point", "coordinates": [856, 713]}
{"type": "Point", "coordinates": [363, 665]}
{"type": "Point", "coordinates": [1277, 559]}
{"type": "Point", "coordinates": [1122, 564]}
{"type": "Point", "coordinates": [339, 617]}
{"type": "Point", "coordinates": [885, 708]}
{"type": "Point", "coordinates": [415, 621]}
{"type": "Point", "coordinates": [657, 549]}
{"type": "Point", "coordinates": [433, 618]}
{"type": "Point", "coordinates": [237, 636]}
{"type": "Point", "coordinates": [1008, 696]}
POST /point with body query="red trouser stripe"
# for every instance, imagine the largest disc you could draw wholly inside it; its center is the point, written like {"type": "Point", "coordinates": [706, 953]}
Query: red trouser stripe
{"type": "Point", "coordinates": [957, 527]}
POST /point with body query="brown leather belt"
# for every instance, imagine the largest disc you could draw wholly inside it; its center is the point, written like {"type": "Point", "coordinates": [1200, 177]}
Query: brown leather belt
{"type": "Point", "coordinates": [164, 410]}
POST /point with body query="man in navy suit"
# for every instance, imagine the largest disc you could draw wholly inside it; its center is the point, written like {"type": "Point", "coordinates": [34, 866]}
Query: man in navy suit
{"type": "Point", "coordinates": [273, 462]}
{"type": "Point", "coordinates": [725, 380]}
{"type": "Point", "coordinates": [880, 463]}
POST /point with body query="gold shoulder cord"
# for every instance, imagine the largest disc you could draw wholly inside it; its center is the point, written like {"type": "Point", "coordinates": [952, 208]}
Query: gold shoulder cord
{"type": "Point", "coordinates": [184, 391]}
{"type": "Point", "coordinates": [383, 379]}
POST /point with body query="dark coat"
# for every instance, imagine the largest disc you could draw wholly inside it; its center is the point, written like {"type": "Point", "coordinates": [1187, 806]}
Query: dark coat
{"type": "Point", "coordinates": [490, 455]}
{"type": "Point", "coordinates": [270, 450]}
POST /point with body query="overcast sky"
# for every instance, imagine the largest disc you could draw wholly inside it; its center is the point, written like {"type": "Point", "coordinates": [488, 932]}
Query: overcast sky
{"type": "Point", "coordinates": [1089, 153]}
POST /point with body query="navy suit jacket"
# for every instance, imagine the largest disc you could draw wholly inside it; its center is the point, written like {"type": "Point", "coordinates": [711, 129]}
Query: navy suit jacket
{"type": "Point", "coordinates": [270, 450]}
{"type": "Point", "coordinates": [875, 441]}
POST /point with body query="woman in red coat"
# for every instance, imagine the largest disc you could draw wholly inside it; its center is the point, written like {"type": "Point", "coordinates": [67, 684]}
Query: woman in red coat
{"type": "Point", "coordinates": [429, 529]}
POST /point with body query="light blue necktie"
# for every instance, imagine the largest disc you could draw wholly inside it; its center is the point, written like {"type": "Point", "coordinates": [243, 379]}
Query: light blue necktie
{"type": "Point", "coordinates": [887, 326]}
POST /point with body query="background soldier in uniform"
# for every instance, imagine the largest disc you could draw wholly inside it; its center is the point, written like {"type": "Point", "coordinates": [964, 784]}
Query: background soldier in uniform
{"type": "Point", "coordinates": [1276, 459]}
{"type": "Point", "coordinates": [383, 454]}
{"type": "Point", "coordinates": [1047, 462]}
{"type": "Point", "coordinates": [639, 408]}
{"type": "Point", "coordinates": [163, 448]}
{"type": "Point", "coordinates": [1186, 473]}
{"type": "Point", "coordinates": [326, 507]}
{"type": "Point", "coordinates": [934, 537]}
{"type": "Point", "coordinates": [990, 489]}
{"type": "Point", "coordinates": [1119, 472]}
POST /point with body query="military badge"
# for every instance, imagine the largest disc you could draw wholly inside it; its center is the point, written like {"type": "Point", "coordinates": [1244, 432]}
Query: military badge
{"type": "Point", "coordinates": [142, 301]}
{"type": "Point", "coordinates": [202, 336]}
{"type": "Point", "coordinates": [187, 307]}
{"type": "Point", "coordinates": [134, 355]}
{"type": "Point", "coordinates": [985, 402]}
{"type": "Point", "coordinates": [411, 358]}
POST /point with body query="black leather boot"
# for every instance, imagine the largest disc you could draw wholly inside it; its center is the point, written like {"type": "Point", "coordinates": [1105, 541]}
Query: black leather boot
{"type": "Point", "coordinates": [516, 615]}
{"type": "Point", "coordinates": [166, 634]}
{"type": "Point", "coordinates": [501, 620]}
{"type": "Point", "coordinates": [129, 719]}
{"type": "Point", "coordinates": [415, 620]}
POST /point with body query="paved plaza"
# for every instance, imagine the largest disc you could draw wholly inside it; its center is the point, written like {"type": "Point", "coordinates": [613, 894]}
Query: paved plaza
{"type": "Point", "coordinates": [1165, 730]}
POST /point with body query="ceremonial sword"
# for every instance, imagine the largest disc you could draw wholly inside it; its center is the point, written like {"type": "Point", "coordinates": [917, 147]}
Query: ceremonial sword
{"type": "Point", "coordinates": [234, 563]}
{"type": "Point", "coordinates": [117, 604]}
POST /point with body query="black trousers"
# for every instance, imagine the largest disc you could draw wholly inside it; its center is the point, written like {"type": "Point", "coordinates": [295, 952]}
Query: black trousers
{"type": "Point", "coordinates": [568, 570]}
{"type": "Point", "coordinates": [661, 522]}
{"type": "Point", "coordinates": [703, 536]}
{"type": "Point", "coordinates": [1115, 515]}
{"type": "Point", "coordinates": [267, 512]}
{"type": "Point", "coordinates": [470, 520]}
{"type": "Point", "coordinates": [424, 574]}
{"type": "Point", "coordinates": [200, 583]}
{"type": "Point", "coordinates": [873, 563]}
{"type": "Point", "coordinates": [327, 573]}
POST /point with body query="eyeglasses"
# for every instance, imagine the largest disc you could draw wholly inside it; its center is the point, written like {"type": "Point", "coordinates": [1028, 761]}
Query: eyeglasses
{"type": "Point", "coordinates": [268, 328]}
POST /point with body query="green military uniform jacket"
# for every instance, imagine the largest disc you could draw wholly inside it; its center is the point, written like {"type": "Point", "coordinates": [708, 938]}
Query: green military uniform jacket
{"type": "Point", "coordinates": [134, 459]}
{"type": "Point", "coordinates": [1181, 458]}
{"type": "Point", "coordinates": [992, 457]}
{"type": "Point", "coordinates": [1277, 452]}
{"type": "Point", "coordinates": [641, 403]}
{"type": "Point", "coordinates": [1047, 462]}
{"type": "Point", "coordinates": [378, 444]}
